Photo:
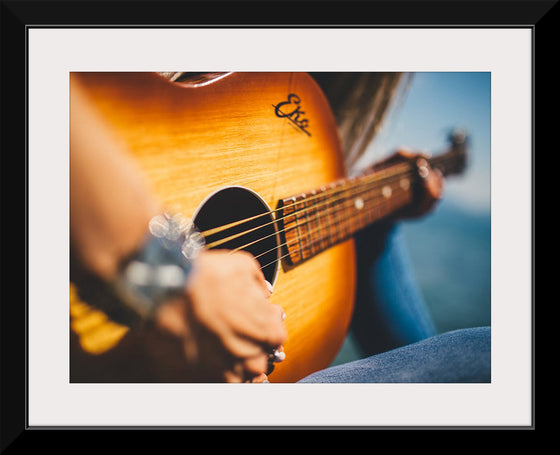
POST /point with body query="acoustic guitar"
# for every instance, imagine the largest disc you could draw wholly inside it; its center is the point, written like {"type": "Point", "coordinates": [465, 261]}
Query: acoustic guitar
{"type": "Point", "coordinates": [255, 160]}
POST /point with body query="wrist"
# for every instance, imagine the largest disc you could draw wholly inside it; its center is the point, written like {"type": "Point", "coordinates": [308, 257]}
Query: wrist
{"type": "Point", "coordinates": [160, 269]}
{"type": "Point", "coordinates": [136, 287]}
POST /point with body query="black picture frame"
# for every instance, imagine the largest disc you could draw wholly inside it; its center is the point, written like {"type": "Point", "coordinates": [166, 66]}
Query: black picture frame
{"type": "Point", "coordinates": [17, 17]}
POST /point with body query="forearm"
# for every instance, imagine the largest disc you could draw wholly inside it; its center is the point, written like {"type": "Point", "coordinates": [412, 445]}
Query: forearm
{"type": "Point", "coordinates": [110, 204]}
{"type": "Point", "coordinates": [221, 320]}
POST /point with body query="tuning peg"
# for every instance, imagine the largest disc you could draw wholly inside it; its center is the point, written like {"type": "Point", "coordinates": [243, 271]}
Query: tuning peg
{"type": "Point", "coordinates": [458, 136]}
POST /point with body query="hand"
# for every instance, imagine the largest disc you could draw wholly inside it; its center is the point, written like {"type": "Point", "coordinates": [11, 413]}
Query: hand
{"type": "Point", "coordinates": [227, 324]}
{"type": "Point", "coordinates": [261, 378]}
{"type": "Point", "coordinates": [431, 183]}
{"type": "Point", "coordinates": [222, 329]}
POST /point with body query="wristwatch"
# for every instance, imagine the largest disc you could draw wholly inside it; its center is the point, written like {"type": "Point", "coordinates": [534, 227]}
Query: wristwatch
{"type": "Point", "coordinates": [159, 270]}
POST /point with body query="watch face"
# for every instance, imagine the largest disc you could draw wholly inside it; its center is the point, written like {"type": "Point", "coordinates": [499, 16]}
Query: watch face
{"type": "Point", "coordinates": [158, 271]}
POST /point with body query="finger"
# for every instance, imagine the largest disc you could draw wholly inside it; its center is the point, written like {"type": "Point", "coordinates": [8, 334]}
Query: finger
{"type": "Point", "coordinates": [255, 268]}
{"type": "Point", "coordinates": [432, 181]}
{"type": "Point", "coordinates": [262, 341]}
{"type": "Point", "coordinates": [249, 370]}
{"type": "Point", "coordinates": [278, 311]}
{"type": "Point", "coordinates": [251, 263]}
{"type": "Point", "coordinates": [269, 288]}
{"type": "Point", "coordinates": [259, 320]}
{"type": "Point", "coordinates": [190, 349]}
{"type": "Point", "coordinates": [437, 184]}
{"type": "Point", "coordinates": [255, 365]}
{"type": "Point", "coordinates": [253, 329]}
{"type": "Point", "coordinates": [261, 378]}
{"type": "Point", "coordinates": [432, 187]}
{"type": "Point", "coordinates": [276, 334]}
{"type": "Point", "coordinates": [405, 153]}
{"type": "Point", "coordinates": [265, 286]}
{"type": "Point", "coordinates": [171, 317]}
{"type": "Point", "coordinates": [238, 346]}
{"type": "Point", "coordinates": [232, 377]}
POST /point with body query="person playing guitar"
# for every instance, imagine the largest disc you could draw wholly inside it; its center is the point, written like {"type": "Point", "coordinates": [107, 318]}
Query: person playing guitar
{"type": "Point", "coordinates": [201, 314]}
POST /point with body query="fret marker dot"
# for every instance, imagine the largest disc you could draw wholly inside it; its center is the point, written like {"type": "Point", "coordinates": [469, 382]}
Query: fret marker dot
{"type": "Point", "coordinates": [359, 203]}
{"type": "Point", "coordinates": [386, 191]}
{"type": "Point", "coordinates": [405, 184]}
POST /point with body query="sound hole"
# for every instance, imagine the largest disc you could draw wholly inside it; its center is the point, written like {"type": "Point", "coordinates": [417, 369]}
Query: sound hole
{"type": "Point", "coordinates": [257, 236]}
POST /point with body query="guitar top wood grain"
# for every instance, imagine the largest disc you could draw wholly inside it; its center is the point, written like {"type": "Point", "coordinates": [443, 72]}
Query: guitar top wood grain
{"type": "Point", "coordinates": [242, 130]}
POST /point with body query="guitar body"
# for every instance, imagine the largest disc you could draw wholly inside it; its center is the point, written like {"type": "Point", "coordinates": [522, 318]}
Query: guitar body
{"type": "Point", "coordinates": [244, 130]}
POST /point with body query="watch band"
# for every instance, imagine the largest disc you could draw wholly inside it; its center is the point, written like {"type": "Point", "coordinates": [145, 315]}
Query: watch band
{"type": "Point", "coordinates": [159, 270]}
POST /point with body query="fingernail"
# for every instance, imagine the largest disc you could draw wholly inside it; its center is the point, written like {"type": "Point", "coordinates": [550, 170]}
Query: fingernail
{"type": "Point", "coordinates": [266, 381]}
{"type": "Point", "coordinates": [423, 171]}
{"type": "Point", "coordinates": [269, 286]}
{"type": "Point", "coordinates": [279, 356]}
{"type": "Point", "coordinates": [283, 315]}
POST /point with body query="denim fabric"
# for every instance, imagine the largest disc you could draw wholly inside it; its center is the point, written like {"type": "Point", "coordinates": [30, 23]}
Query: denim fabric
{"type": "Point", "coordinates": [394, 329]}
{"type": "Point", "coordinates": [390, 310]}
{"type": "Point", "coordinates": [459, 356]}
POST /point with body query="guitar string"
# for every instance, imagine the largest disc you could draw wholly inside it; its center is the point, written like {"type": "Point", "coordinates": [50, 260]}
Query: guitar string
{"type": "Point", "coordinates": [352, 228]}
{"type": "Point", "coordinates": [301, 249]}
{"type": "Point", "coordinates": [354, 182]}
{"type": "Point", "coordinates": [340, 208]}
{"type": "Point", "coordinates": [344, 193]}
{"type": "Point", "coordinates": [320, 228]}
{"type": "Point", "coordinates": [332, 188]}
{"type": "Point", "coordinates": [327, 213]}
{"type": "Point", "coordinates": [343, 199]}
{"type": "Point", "coordinates": [350, 191]}
{"type": "Point", "coordinates": [346, 236]}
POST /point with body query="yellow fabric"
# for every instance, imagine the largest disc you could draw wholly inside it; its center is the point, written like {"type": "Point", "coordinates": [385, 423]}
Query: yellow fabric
{"type": "Point", "coordinates": [97, 333]}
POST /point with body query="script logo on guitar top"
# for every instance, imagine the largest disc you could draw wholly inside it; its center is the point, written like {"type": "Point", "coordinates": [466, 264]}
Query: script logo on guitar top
{"type": "Point", "coordinates": [291, 110]}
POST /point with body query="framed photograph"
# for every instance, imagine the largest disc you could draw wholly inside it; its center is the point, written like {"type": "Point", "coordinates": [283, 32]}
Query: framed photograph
{"type": "Point", "coordinates": [473, 66]}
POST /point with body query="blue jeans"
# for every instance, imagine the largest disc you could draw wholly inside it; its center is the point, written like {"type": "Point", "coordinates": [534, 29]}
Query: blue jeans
{"type": "Point", "coordinates": [394, 329]}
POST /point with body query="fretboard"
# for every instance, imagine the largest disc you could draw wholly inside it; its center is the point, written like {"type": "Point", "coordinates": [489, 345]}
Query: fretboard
{"type": "Point", "coordinates": [318, 219]}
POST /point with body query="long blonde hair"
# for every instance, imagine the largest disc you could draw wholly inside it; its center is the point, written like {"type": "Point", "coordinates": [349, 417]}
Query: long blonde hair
{"type": "Point", "coordinates": [361, 102]}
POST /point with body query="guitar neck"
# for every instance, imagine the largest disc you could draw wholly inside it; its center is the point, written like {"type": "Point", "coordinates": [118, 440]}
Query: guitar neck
{"type": "Point", "coordinates": [316, 220]}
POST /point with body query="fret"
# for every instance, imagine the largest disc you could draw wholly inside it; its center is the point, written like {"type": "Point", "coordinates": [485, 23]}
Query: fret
{"type": "Point", "coordinates": [315, 220]}
{"type": "Point", "coordinates": [339, 213]}
{"type": "Point", "coordinates": [315, 203]}
{"type": "Point", "coordinates": [373, 209]}
{"type": "Point", "coordinates": [368, 205]}
{"type": "Point", "coordinates": [345, 211]}
{"type": "Point", "coordinates": [404, 189]}
{"type": "Point", "coordinates": [386, 192]}
{"type": "Point", "coordinates": [303, 227]}
{"type": "Point", "coordinates": [310, 204]}
{"type": "Point", "coordinates": [327, 216]}
{"type": "Point", "coordinates": [298, 231]}
{"type": "Point", "coordinates": [324, 222]}
{"type": "Point", "coordinates": [349, 210]}
{"type": "Point", "coordinates": [306, 224]}
{"type": "Point", "coordinates": [357, 205]}
{"type": "Point", "coordinates": [319, 211]}
{"type": "Point", "coordinates": [360, 204]}
{"type": "Point", "coordinates": [291, 229]}
{"type": "Point", "coordinates": [333, 216]}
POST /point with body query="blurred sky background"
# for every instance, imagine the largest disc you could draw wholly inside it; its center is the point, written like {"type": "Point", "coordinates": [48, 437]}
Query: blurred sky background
{"type": "Point", "coordinates": [450, 248]}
